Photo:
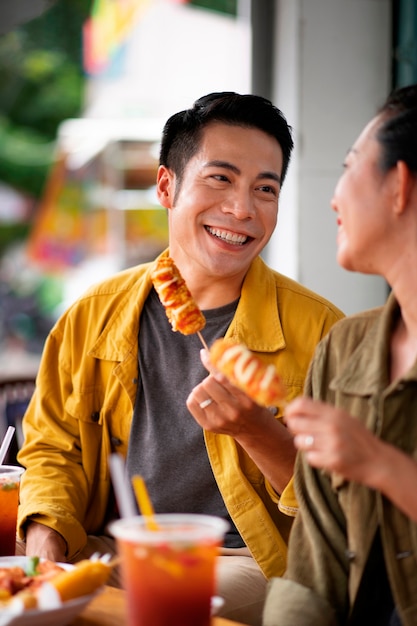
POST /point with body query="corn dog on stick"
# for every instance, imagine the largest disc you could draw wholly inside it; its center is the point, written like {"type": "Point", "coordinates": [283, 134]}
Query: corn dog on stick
{"type": "Point", "coordinates": [85, 578]}
{"type": "Point", "coordinates": [248, 372]}
{"type": "Point", "coordinates": [180, 307]}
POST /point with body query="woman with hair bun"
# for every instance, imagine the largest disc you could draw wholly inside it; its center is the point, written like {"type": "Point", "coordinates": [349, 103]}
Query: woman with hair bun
{"type": "Point", "coordinates": [353, 547]}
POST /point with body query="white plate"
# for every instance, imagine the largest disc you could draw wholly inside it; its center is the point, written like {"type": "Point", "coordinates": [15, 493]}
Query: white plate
{"type": "Point", "coordinates": [35, 617]}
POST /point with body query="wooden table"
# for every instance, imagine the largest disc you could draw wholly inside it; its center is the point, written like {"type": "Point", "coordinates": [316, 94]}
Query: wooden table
{"type": "Point", "coordinates": [108, 609]}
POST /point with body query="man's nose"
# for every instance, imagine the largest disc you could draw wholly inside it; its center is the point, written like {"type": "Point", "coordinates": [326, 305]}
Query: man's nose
{"type": "Point", "coordinates": [241, 205]}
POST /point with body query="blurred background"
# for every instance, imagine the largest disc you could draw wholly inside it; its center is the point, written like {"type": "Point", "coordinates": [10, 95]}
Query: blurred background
{"type": "Point", "coordinates": [86, 86]}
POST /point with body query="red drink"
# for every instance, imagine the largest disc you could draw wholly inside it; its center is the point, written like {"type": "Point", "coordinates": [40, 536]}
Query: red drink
{"type": "Point", "coordinates": [169, 574]}
{"type": "Point", "coordinates": [9, 500]}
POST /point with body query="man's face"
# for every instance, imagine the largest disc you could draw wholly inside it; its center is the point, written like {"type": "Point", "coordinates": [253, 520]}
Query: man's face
{"type": "Point", "coordinates": [227, 205]}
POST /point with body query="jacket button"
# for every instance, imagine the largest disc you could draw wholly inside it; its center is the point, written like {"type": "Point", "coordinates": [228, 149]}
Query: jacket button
{"type": "Point", "coordinates": [403, 555]}
{"type": "Point", "coordinates": [95, 416]}
{"type": "Point", "coordinates": [115, 441]}
{"type": "Point", "coordinates": [350, 555]}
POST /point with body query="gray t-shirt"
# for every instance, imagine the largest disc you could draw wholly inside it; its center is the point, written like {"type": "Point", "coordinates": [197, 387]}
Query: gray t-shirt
{"type": "Point", "coordinates": [166, 444]}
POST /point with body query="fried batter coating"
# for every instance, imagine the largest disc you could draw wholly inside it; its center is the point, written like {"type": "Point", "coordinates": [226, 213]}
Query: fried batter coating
{"type": "Point", "coordinates": [248, 372]}
{"type": "Point", "coordinates": [180, 307]}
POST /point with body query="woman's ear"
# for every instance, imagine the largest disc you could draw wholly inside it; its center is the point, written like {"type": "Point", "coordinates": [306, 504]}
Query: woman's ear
{"type": "Point", "coordinates": [165, 186]}
{"type": "Point", "coordinates": [404, 185]}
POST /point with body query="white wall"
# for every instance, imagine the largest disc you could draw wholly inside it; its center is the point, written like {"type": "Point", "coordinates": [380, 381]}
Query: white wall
{"type": "Point", "coordinates": [332, 70]}
{"type": "Point", "coordinates": [176, 54]}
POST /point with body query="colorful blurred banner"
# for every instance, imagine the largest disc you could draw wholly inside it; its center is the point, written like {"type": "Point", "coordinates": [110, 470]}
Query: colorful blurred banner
{"type": "Point", "coordinates": [80, 217]}
{"type": "Point", "coordinates": [106, 33]}
{"type": "Point", "coordinates": [58, 238]}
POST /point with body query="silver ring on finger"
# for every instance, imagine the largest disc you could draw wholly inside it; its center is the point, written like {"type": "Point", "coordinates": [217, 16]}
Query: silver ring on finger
{"type": "Point", "coordinates": [206, 403]}
{"type": "Point", "coordinates": [309, 441]}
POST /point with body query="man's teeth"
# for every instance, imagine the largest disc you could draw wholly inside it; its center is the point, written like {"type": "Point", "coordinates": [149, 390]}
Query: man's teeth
{"type": "Point", "coordinates": [227, 236]}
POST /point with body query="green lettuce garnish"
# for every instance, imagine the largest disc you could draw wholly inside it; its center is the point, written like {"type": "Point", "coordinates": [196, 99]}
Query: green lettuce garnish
{"type": "Point", "coordinates": [32, 564]}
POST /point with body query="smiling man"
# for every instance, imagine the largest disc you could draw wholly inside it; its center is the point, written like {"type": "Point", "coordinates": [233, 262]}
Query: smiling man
{"type": "Point", "coordinates": [115, 377]}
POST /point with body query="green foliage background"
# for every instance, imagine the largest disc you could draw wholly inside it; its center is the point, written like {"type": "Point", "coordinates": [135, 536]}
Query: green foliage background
{"type": "Point", "coordinates": [42, 83]}
{"type": "Point", "coordinates": [222, 6]}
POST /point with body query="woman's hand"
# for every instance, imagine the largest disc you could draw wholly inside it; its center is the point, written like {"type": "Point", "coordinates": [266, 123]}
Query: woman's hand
{"type": "Point", "coordinates": [337, 442]}
{"type": "Point", "coordinates": [334, 440]}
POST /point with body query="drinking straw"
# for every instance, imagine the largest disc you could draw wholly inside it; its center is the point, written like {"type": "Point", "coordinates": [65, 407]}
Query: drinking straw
{"type": "Point", "coordinates": [144, 502]}
{"type": "Point", "coordinates": [6, 443]}
{"type": "Point", "coordinates": [122, 491]}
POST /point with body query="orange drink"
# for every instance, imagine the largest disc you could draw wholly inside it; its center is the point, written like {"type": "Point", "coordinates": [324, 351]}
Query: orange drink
{"type": "Point", "coordinates": [9, 500]}
{"type": "Point", "coordinates": [169, 573]}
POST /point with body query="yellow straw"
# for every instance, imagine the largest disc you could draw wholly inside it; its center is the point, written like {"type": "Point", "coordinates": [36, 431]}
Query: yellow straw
{"type": "Point", "coordinates": [144, 502]}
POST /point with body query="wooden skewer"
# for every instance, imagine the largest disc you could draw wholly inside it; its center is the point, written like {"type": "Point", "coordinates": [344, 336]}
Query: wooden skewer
{"type": "Point", "coordinates": [202, 340]}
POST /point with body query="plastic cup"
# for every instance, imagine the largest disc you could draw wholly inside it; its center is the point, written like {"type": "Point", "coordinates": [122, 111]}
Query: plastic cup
{"type": "Point", "coordinates": [169, 573]}
{"type": "Point", "coordinates": [9, 500]}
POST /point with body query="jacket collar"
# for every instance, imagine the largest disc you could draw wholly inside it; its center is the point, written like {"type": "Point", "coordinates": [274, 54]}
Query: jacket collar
{"type": "Point", "coordinates": [362, 374]}
{"type": "Point", "coordinates": [119, 337]}
{"type": "Point", "coordinates": [257, 322]}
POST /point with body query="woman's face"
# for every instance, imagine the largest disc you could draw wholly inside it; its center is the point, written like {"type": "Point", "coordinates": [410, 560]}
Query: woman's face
{"type": "Point", "coordinates": [362, 199]}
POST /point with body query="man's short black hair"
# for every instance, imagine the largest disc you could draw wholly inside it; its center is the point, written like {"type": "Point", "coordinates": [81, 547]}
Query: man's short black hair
{"type": "Point", "coordinates": [183, 131]}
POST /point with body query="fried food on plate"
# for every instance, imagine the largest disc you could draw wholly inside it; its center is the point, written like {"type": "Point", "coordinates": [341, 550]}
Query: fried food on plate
{"type": "Point", "coordinates": [45, 584]}
{"type": "Point", "coordinates": [86, 577]}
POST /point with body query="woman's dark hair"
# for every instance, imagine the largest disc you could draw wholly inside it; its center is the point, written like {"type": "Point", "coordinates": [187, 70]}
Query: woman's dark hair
{"type": "Point", "coordinates": [398, 132]}
{"type": "Point", "coordinates": [183, 131]}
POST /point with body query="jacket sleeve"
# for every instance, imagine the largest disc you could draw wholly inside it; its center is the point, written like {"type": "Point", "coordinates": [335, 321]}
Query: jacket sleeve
{"type": "Point", "coordinates": [54, 486]}
{"type": "Point", "coordinates": [287, 501]}
{"type": "Point", "coordinates": [317, 570]}
{"type": "Point", "coordinates": [288, 602]}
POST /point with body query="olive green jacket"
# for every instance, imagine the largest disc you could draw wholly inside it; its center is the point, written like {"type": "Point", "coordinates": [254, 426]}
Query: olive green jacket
{"type": "Point", "coordinates": [337, 520]}
{"type": "Point", "coordinates": [82, 408]}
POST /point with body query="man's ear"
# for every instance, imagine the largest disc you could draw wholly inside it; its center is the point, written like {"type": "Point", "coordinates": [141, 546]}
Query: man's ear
{"type": "Point", "coordinates": [165, 186]}
{"type": "Point", "coordinates": [405, 182]}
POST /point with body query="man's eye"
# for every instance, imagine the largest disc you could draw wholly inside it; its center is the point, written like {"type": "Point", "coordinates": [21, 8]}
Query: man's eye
{"type": "Point", "coordinates": [268, 189]}
{"type": "Point", "coordinates": [220, 177]}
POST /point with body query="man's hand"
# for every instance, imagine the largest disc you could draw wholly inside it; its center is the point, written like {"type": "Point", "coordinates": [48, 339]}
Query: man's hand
{"type": "Point", "coordinates": [44, 542]}
{"type": "Point", "coordinates": [231, 412]}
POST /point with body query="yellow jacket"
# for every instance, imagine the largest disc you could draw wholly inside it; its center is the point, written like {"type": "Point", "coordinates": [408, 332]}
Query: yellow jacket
{"type": "Point", "coordinates": [83, 404]}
